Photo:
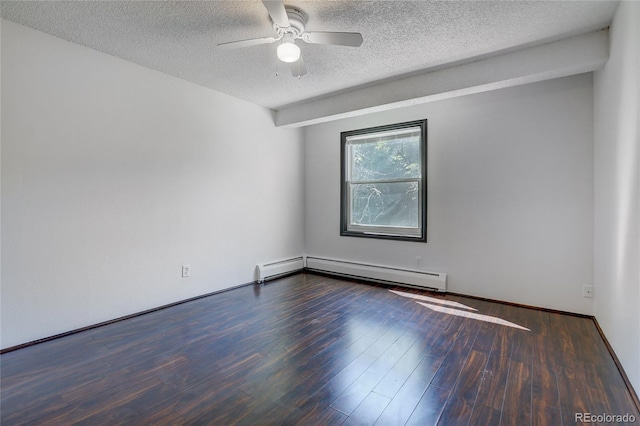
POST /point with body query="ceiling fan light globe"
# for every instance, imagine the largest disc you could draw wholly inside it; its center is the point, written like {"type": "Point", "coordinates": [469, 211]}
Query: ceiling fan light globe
{"type": "Point", "coordinates": [288, 52]}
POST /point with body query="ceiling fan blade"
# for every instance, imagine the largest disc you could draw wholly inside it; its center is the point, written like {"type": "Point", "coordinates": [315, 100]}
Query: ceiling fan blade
{"type": "Point", "coordinates": [246, 43]}
{"type": "Point", "coordinates": [298, 69]}
{"type": "Point", "coordinates": [277, 12]}
{"type": "Point", "coordinates": [341, 39]}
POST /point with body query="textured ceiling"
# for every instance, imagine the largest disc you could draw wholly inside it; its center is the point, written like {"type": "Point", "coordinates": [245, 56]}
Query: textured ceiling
{"type": "Point", "coordinates": [400, 37]}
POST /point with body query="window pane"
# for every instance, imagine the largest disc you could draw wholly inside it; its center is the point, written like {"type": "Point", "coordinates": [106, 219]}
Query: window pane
{"type": "Point", "coordinates": [383, 194]}
{"type": "Point", "coordinates": [385, 204]}
{"type": "Point", "coordinates": [386, 159]}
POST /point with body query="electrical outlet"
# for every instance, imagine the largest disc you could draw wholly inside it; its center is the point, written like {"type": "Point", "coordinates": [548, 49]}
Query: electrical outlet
{"type": "Point", "coordinates": [186, 271]}
{"type": "Point", "coordinates": [587, 291]}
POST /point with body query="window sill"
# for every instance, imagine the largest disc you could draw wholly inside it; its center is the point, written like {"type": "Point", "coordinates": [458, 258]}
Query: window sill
{"type": "Point", "coordinates": [418, 239]}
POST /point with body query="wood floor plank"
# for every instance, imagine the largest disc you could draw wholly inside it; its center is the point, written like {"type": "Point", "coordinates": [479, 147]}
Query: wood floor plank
{"type": "Point", "coordinates": [430, 407]}
{"type": "Point", "coordinates": [447, 375]}
{"type": "Point", "coordinates": [516, 409]}
{"type": "Point", "coordinates": [313, 412]}
{"type": "Point", "coordinates": [310, 349]}
{"type": "Point", "coordinates": [364, 385]}
{"type": "Point", "coordinates": [36, 411]}
{"type": "Point", "coordinates": [333, 372]}
{"type": "Point", "coordinates": [108, 405]}
{"type": "Point", "coordinates": [368, 411]}
{"type": "Point", "coordinates": [457, 411]}
{"type": "Point", "coordinates": [471, 376]}
{"type": "Point", "coordinates": [407, 398]}
{"type": "Point", "coordinates": [545, 402]}
{"type": "Point", "coordinates": [213, 411]}
{"type": "Point", "coordinates": [400, 372]}
{"type": "Point", "coordinates": [492, 388]}
{"type": "Point", "coordinates": [483, 415]}
{"type": "Point", "coordinates": [569, 375]}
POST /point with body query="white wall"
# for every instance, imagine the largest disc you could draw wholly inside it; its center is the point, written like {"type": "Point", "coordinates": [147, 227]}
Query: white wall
{"type": "Point", "coordinates": [510, 193]}
{"type": "Point", "coordinates": [617, 191]}
{"type": "Point", "coordinates": [0, 168]}
{"type": "Point", "coordinates": [114, 175]}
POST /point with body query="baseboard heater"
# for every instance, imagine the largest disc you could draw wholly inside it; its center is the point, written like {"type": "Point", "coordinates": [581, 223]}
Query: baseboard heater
{"type": "Point", "coordinates": [279, 268]}
{"type": "Point", "coordinates": [378, 273]}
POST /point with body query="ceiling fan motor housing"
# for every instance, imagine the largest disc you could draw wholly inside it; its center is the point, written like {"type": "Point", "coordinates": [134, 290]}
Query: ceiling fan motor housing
{"type": "Point", "coordinates": [297, 21]}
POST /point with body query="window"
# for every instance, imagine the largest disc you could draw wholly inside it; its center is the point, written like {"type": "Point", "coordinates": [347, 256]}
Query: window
{"type": "Point", "coordinates": [384, 172]}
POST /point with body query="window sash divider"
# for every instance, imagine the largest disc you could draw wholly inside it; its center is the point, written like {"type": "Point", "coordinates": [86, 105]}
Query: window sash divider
{"type": "Point", "coordinates": [372, 182]}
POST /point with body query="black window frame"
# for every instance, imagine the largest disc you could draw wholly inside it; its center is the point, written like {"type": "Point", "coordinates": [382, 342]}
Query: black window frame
{"type": "Point", "coordinates": [344, 184]}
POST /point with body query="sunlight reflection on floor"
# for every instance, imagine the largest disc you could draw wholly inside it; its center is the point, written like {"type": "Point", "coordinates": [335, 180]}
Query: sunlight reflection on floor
{"type": "Point", "coordinates": [471, 315]}
{"type": "Point", "coordinates": [432, 299]}
{"type": "Point", "coordinates": [457, 312]}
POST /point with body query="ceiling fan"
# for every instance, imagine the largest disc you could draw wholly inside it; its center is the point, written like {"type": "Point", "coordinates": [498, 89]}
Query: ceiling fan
{"type": "Point", "coordinates": [288, 23]}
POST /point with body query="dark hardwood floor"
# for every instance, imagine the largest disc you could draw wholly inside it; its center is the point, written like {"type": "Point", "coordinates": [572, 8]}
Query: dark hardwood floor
{"type": "Point", "coordinates": [309, 350]}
